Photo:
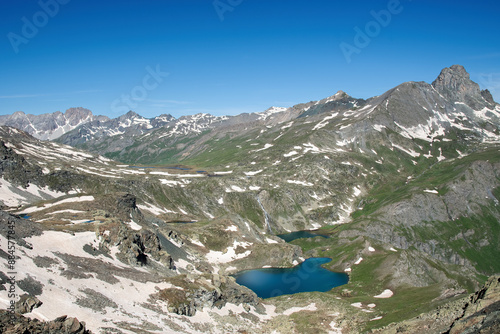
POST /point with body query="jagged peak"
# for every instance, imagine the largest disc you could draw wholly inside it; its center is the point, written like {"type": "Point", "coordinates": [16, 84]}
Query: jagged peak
{"type": "Point", "coordinates": [19, 114]}
{"type": "Point", "coordinates": [77, 110]}
{"type": "Point", "coordinates": [454, 83]}
{"type": "Point", "coordinates": [455, 78]}
{"type": "Point", "coordinates": [130, 115]}
{"type": "Point", "coordinates": [165, 117]}
{"type": "Point", "coordinates": [340, 94]}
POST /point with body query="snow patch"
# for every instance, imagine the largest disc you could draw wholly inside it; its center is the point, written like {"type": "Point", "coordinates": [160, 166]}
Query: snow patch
{"type": "Point", "coordinates": [310, 307]}
{"type": "Point", "coordinates": [385, 294]}
{"type": "Point", "coordinates": [290, 154]}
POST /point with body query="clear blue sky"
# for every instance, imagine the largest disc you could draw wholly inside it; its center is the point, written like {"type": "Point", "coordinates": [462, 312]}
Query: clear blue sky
{"type": "Point", "coordinates": [244, 57]}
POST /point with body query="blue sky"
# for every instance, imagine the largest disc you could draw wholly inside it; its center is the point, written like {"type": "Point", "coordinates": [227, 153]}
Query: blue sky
{"type": "Point", "coordinates": [226, 57]}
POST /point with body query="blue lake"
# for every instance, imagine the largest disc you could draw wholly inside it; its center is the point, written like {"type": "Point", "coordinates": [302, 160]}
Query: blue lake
{"type": "Point", "coordinates": [299, 235]}
{"type": "Point", "coordinates": [306, 277]}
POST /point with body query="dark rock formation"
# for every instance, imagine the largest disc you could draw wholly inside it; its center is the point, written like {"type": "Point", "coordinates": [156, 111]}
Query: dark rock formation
{"type": "Point", "coordinates": [16, 324]}
{"type": "Point", "coordinates": [198, 295]}
{"type": "Point", "coordinates": [27, 303]}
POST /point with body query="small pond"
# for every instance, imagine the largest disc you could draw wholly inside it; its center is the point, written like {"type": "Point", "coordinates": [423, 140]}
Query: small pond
{"type": "Point", "coordinates": [299, 235]}
{"type": "Point", "coordinates": [305, 277]}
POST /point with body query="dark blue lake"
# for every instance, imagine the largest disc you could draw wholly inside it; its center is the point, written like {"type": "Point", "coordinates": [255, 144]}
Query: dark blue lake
{"type": "Point", "coordinates": [299, 235]}
{"type": "Point", "coordinates": [306, 277]}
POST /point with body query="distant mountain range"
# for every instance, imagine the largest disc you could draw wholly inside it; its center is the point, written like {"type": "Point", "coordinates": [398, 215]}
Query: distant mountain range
{"type": "Point", "coordinates": [50, 126]}
{"type": "Point", "coordinates": [413, 109]}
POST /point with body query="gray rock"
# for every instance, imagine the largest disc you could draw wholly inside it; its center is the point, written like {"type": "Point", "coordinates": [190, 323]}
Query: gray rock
{"type": "Point", "coordinates": [27, 303]}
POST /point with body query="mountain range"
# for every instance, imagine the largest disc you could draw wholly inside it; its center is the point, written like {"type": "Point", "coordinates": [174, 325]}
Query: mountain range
{"type": "Point", "coordinates": [161, 212]}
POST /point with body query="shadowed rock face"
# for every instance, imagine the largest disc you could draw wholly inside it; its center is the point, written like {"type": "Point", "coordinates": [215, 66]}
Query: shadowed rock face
{"type": "Point", "coordinates": [454, 83]}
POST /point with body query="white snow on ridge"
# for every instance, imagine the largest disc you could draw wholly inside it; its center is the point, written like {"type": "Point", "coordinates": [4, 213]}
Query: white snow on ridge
{"type": "Point", "coordinates": [236, 189]}
{"type": "Point", "coordinates": [229, 255]}
{"type": "Point", "coordinates": [266, 114]}
{"type": "Point", "coordinates": [308, 147]}
{"type": "Point", "coordinates": [13, 196]}
{"type": "Point", "coordinates": [133, 225]}
{"type": "Point", "coordinates": [223, 173]}
{"type": "Point", "coordinates": [153, 209]}
{"type": "Point", "coordinates": [310, 307]}
{"type": "Point", "coordinates": [378, 127]}
{"type": "Point", "coordinates": [325, 121]}
{"type": "Point", "coordinates": [385, 294]}
{"type": "Point", "coordinates": [64, 201]}
{"type": "Point", "coordinates": [253, 173]}
{"type": "Point", "coordinates": [407, 151]}
{"type": "Point", "coordinates": [290, 154]}
{"type": "Point", "coordinates": [266, 146]}
{"type": "Point", "coordinates": [301, 183]}
{"type": "Point", "coordinates": [99, 174]}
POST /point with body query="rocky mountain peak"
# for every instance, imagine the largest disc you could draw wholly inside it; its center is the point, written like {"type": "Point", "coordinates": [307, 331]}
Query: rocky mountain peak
{"type": "Point", "coordinates": [340, 94]}
{"type": "Point", "coordinates": [455, 84]}
{"type": "Point", "coordinates": [18, 115]}
{"type": "Point", "coordinates": [131, 114]}
{"type": "Point", "coordinates": [78, 112]}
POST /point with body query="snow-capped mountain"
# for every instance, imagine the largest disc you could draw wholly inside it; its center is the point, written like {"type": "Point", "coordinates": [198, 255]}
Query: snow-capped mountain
{"type": "Point", "coordinates": [416, 110]}
{"type": "Point", "coordinates": [50, 126]}
{"type": "Point", "coordinates": [129, 125]}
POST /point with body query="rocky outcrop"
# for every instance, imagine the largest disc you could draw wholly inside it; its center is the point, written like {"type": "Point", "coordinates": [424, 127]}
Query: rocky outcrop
{"type": "Point", "coordinates": [27, 303]}
{"type": "Point", "coordinates": [200, 293]}
{"type": "Point", "coordinates": [23, 228]}
{"type": "Point", "coordinates": [482, 312]}
{"type": "Point", "coordinates": [477, 313]}
{"type": "Point", "coordinates": [14, 168]}
{"type": "Point", "coordinates": [22, 172]}
{"type": "Point", "coordinates": [135, 246]}
{"type": "Point", "coordinates": [464, 196]}
{"type": "Point", "coordinates": [454, 83]}
{"type": "Point", "coordinates": [16, 323]}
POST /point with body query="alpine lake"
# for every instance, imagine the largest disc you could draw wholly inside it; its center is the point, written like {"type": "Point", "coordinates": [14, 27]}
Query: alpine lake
{"type": "Point", "coordinates": [307, 276]}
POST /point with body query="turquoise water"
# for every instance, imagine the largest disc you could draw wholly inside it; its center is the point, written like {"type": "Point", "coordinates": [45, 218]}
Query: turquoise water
{"type": "Point", "coordinates": [306, 277]}
{"type": "Point", "coordinates": [300, 234]}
